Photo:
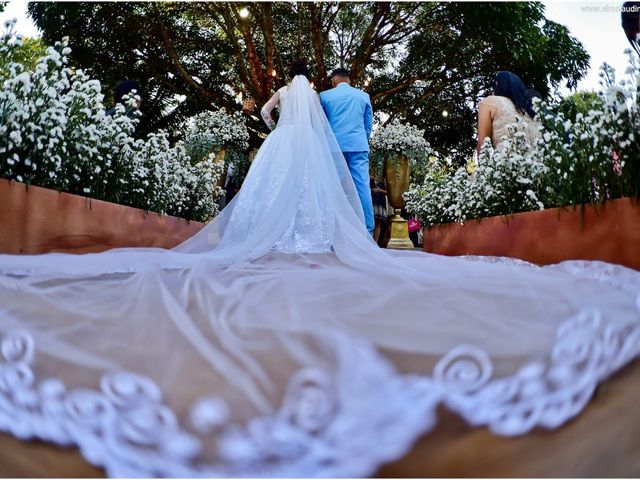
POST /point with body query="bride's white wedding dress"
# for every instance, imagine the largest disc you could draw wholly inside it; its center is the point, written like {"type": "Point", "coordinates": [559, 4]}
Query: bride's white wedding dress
{"type": "Point", "coordinates": [280, 341]}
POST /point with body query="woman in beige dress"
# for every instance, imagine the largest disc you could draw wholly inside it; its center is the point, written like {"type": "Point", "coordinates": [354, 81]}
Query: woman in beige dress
{"type": "Point", "coordinates": [509, 106]}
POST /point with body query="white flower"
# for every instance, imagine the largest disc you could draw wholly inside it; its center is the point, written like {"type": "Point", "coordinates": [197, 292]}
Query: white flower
{"type": "Point", "coordinates": [402, 139]}
{"type": "Point", "coordinates": [55, 116]}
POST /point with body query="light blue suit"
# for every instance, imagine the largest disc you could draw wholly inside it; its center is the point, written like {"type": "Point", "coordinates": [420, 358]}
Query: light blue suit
{"type": "Point", "coordinates": [351, 117]}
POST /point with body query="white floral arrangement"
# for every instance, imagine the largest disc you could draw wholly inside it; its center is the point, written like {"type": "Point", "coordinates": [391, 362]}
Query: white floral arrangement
{"type": "Point", "coordinates": [596, 155]}
{"type": "Point", "coordinates": [179, 184]}
{"type": "Point", "coordinates": [505, 181]}
{"type": "Point", "coordinates": [213, 130]}
{"type": "Point", "coordinates": [54, 133]}
{"type": "Point", "coordinates": [398, 138]}
{"type": "Point", "coordinates": [590, 158]}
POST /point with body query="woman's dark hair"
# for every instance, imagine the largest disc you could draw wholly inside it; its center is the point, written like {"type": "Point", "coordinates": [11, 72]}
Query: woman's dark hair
{"type": "Point", "coordinates": [507, 84]}
{"type": "Point", "coordinates": [299, 67]}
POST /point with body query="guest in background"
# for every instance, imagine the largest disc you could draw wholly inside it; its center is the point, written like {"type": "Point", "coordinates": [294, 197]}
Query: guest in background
{"type": "Point", "coordinates": [509, 104]}
{"type": "Point", "coordinates": [379, 198]}
{"type": "Point", "coordinates": [230, 187]}
{"type": "Point", "coordinates": [122, 89]}
{"type": "Point", "coordinates": [415, 228]}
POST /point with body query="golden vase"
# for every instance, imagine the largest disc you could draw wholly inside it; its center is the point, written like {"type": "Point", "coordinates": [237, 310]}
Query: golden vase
{"type": "Point", "coordinates": [396, 175]}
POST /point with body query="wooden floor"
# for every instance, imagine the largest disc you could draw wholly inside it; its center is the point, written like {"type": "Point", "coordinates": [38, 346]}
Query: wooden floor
{"type": "Point", "coordinates": [604, 441]}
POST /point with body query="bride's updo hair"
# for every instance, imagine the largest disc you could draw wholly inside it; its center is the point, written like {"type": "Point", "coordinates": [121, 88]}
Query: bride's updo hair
{"type": "Point", "coordinates": [299, 67]}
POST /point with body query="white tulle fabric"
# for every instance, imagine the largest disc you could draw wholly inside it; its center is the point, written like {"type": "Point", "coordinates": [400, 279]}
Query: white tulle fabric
{"type": "Point", "coordinates": [280, 341]}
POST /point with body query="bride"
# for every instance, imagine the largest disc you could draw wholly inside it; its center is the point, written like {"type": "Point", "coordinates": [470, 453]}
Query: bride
{"type": "Point", "coordinates": [280, 341]}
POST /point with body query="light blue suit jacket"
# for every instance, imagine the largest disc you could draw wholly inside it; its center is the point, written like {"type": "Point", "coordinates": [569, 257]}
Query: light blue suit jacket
{"type": "Point", "coordinates": [350, 115]}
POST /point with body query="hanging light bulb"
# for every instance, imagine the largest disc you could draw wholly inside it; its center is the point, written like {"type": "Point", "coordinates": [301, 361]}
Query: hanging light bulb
{"type": "Point", "coordinates": [244, 12]}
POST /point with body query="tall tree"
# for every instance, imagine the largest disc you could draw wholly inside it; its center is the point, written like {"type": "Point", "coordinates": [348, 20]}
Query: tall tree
{"type": "Point", "coordinates": [416, 59]}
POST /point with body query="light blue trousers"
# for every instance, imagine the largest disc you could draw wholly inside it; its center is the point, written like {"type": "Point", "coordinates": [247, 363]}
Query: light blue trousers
{"type": "Point", "coordinates": [358, 163]}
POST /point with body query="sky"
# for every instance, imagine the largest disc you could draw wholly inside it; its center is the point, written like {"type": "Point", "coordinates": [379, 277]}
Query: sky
{"type": "Point", "coordinates": [595, 24]}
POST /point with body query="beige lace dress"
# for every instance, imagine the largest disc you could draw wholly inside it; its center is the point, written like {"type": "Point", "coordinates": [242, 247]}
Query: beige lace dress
{"type": "Point", "coordinates": [506, 116]}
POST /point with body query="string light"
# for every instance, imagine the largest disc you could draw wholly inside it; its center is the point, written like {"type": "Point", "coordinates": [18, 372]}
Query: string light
{"type": "Point", "coordinates": [445, 113]}
{"type": "Point", "coordinates": [313, 85]}
{"type": "Point", "coordinates": [273, 72]}
{"type": "Point", "coordinates": [366, 82]}
{"type": "Point", "coordinates": [244, 13]}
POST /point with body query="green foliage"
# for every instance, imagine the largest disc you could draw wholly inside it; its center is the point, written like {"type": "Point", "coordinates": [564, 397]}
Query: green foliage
{"type": "Point", "coordinates": [124, 40]}
{"type": "Point", "coordinates": [421, 57]}
{"type": "Point", "coordinates": [579, 103]}
{"type": "Point", "coordinates": [461, 46]}
{"type": "Point", "coordinates": [25, 51]}
{"type": "Point", "coordinates": [27, 54]}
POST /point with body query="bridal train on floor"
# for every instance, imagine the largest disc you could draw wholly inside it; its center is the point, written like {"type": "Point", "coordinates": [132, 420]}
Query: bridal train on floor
{"type": "Point", "coordinates": [280, 341]}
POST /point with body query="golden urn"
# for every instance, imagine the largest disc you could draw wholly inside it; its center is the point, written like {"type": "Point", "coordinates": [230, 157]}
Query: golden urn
{"type": "Point", "coordinates": [396, 175]}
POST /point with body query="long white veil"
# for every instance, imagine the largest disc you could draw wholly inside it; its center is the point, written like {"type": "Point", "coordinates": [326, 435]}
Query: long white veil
{"type": "Point", "coordinates": [299, 184]}
{"type": "Point", "coordinates": [281, 341]}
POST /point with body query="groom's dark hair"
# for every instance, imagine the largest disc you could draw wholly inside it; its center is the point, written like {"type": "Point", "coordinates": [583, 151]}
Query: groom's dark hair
{"type": "Point", "coordinates": [340, 72]}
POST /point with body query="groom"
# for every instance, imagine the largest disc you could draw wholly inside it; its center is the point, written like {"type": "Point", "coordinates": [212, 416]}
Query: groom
{"type": "Point", "coordinates": [351, 117]}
